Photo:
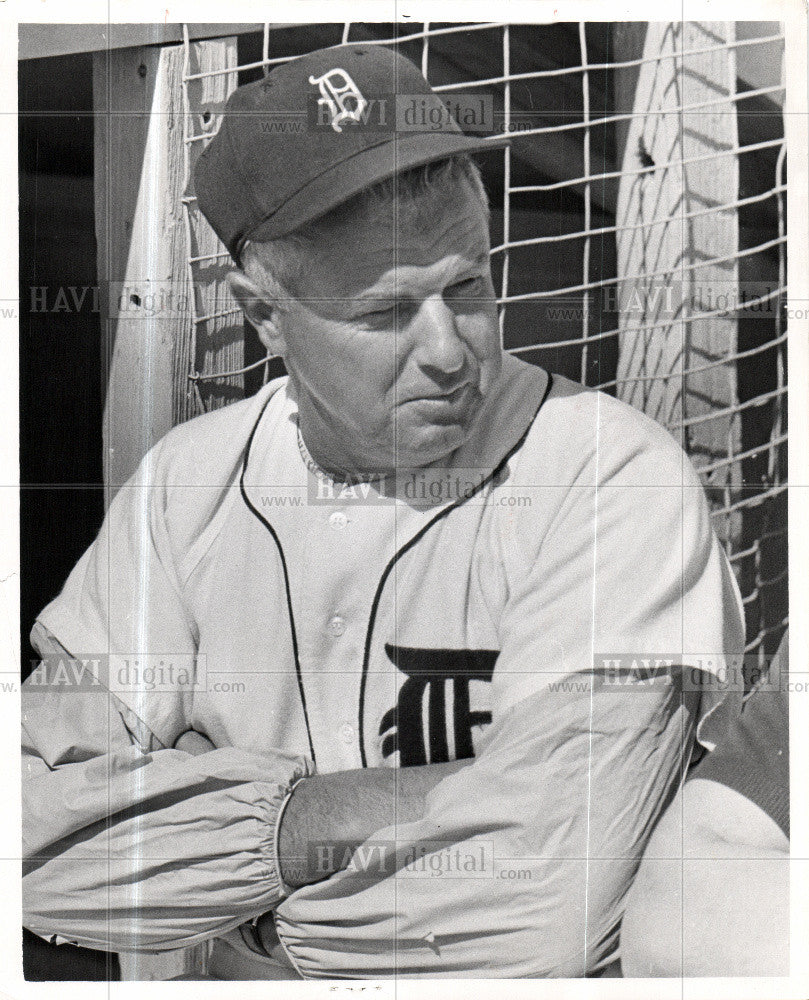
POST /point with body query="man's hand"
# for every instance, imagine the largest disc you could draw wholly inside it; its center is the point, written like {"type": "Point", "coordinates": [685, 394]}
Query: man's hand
{"type": "Point", "coordinates": [344, 809]}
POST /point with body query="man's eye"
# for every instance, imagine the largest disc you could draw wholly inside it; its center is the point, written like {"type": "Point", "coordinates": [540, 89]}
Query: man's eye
{"type": "Point", "coordinates": [379, 315]}
{"type": "Point", "coordinates": [465, 287]}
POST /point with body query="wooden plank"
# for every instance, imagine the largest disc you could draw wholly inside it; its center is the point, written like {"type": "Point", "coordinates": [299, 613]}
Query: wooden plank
{"type": "Point", "coordinates": [661, 345]}
{"type": "Point", "coordinates": [144, 966]}
{"type": "Point", "coordinates": [141, 245]}
{"type": "Point", "coordinates": [713, 235]}
{"type": "Point", "coordinates": [38, 41]}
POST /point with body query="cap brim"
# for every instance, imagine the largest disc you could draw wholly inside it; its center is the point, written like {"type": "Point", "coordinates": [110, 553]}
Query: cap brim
{"type": "Point", "coordinates": [372, 164]}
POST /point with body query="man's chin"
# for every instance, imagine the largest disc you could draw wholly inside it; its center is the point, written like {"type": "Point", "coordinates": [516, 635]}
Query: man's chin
{"type": "Point", "coordinates": [432, 445]}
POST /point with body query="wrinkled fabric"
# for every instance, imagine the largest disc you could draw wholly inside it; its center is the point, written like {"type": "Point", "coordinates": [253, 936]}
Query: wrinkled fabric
{"type": "Point", "coordinates": [128, 849]}
{"type": "Point", "coordinates": [550, 821]}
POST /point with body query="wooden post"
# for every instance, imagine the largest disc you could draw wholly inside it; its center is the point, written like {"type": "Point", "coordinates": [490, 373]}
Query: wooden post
{"type": "Point", "coordinates": [709, 236]}
{"type": "Point", "coordinates": [140, 170]}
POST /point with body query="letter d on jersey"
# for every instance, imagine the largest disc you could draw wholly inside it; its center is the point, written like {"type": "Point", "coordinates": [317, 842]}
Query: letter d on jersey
{"type": "Point", "coordinates": [341, 96]}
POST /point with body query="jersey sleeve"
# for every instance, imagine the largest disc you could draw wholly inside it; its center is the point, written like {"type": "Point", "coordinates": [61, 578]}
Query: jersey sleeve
{"type": "Point", "coordinates": [129, 850]}
{"type": "Point", "coordinates": [628, 572]}
{"type": "Point", "coordinates": [122, 609]}
{"type": "Point", "coordinates": [128, 843]}
{"type": "Point", "coordinates": [529, 852]}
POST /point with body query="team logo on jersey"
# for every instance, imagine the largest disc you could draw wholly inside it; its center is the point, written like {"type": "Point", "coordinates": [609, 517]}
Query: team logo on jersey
{"type": "Point", "coordinates": [432, 675]}
{"type": "Point", "coordinates": [341, 96]}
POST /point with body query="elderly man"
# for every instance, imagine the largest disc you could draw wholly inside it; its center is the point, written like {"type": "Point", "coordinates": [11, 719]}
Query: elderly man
{"type": "Point", "coordinates": [400, 597]}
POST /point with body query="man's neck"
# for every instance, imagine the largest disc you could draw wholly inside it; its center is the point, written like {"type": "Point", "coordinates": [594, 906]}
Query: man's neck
{"type": "Point", "coordinates": [325, 449]}
{"type": "Point", "coordinates": [321, 467]}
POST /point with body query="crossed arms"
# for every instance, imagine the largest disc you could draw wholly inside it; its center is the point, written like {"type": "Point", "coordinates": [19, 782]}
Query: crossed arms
{"type": "Point", "coordinates": [148, 848]}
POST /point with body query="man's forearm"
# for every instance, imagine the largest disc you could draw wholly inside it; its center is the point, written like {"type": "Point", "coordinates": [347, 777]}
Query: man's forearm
{"type": "Point", "coordinates": [347, 807]}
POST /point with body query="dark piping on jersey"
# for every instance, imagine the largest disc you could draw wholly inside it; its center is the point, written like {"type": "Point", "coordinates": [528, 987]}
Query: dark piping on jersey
{"type": "Point", "coordinates": [277, 541]}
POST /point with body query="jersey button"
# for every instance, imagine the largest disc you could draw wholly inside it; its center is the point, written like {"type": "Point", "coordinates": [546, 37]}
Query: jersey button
{"type": "Point", "coordinates": [338, 520]}
{"type": "Point", "coordinates": [346, 733]}
{"type": "Point", "coordinates": [336, 626]}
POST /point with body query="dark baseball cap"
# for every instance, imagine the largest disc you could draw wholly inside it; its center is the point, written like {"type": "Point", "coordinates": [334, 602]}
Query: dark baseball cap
{"type": "Point", "coordinates": [313, 133]}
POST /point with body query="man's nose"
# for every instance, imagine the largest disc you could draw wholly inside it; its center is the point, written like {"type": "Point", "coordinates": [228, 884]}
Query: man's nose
{"type": "Point", "coordinates": [439, 348]}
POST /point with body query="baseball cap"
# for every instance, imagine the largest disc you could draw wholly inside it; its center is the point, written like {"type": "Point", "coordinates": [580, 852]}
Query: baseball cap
{"type": "Point", "coordinates": [312, 134]}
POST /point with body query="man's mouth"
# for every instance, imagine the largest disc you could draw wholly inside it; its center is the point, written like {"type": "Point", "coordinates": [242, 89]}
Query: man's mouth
{"type": "Point", "coordinates": [448, 396]}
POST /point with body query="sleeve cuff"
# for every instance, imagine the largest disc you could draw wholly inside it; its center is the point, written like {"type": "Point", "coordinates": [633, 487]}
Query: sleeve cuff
{"type": "Point", "coordinates": [287, 890]}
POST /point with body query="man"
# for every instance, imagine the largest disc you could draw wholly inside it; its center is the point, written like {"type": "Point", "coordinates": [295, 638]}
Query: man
{"type": "Point", "coordinates": [712, 895]}
{"type": "Point", "coordinates": [388, 577]}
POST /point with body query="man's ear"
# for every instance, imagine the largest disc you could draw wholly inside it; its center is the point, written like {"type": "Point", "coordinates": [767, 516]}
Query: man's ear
{"type": "Point", "coordinates": [260, 308]}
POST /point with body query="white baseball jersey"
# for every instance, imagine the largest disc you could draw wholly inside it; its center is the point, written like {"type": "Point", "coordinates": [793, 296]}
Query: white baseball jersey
{"type": "Point", "coordinates": [466, 611]}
